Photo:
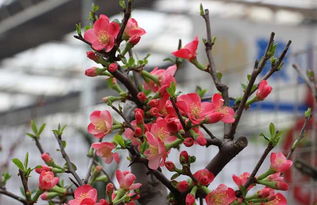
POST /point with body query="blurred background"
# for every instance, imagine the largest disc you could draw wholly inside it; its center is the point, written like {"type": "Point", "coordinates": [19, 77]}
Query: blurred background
{"type": "Point", "coordinates": [42, 76]}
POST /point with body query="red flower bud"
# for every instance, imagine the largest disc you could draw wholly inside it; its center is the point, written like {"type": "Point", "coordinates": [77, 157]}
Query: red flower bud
{"type": "Point", "coordinates": [92, 55]}
{"type": "Point", "coordinates": [182, 186]}
{"type": "Point", "coordinates": [141, 96]}
{"type": "Point", "coordinates": [188, 142]}
{"type": "Point", "coordinates": [281, 185]}
{"type": "Point", "coordinates": [91, 72]}
{"type": "Point", "coordinates": [170, 166]}
{"type": "Point", "coordinates": [204, 177]}
{"type": "Point", "coordinates": [42, 168]}
{"type": "Point", "coordinates": [154, 112]}
{"type": "Point", "coordinates": [183, 157]}
{"type": "Point", "coordinates": [46, 158]}
{"type": "Point", "coordinates": [190, 199]}
{"type": "Point", "coordinates": [109, 188]}
{"type": "Point", "coordinates": [138, 132]}
{"type": "Point", "coordinates": [263, 90]}
{"type": "Point", "coordinates": [113, 67]}
{"type": "Point", "coordinates": [139, 115]}
{"type": "Point", "coordinates": [44, 196]}
{"type": "Point", "coordinates": [153, 102]}
{"type": "Point", "coordinates": [134, 40]}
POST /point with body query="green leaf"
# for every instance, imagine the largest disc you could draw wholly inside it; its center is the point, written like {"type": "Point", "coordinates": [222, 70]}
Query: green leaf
{"type": "Point", "coordinates": [308, 113]}
{"type": "Point", "coordinates": [202, 11]}
{"type": "Point", "coordinates": [201, 92]}
{"type": "Point", "coordinates": [122, 4]}
{"type": "Point", "coordinates": [171, 89]}
{"type": "Point", "coordinates": [175, 176]}
{"type": "Point", "coordinates": [26, 160]}
{"type": "Point", "coordinates": [219, 75]}
{"type": "Point", "coordinates": [41, 129]}
{"type": "Point", "coordinates": [249, 77]}
{"type": "Point", "coordinates": [310, 73]}
{"type": "Point", "coordinates": [30, 135]}
{"type": "Point", "coordinates": [131, 62]}
{"type": "Point", "coordinates": [144, 146]}
{"type": "Point", "coordinates": [272, 129]}
{"type": "Point", "coordinates": [34, 127]}
{"type": "Point", "coordinates": [78, 29]}
{"type": "Point", "coordinates": [18, 163]}
{"type": "Point", "coordinates": [118, 139]}
{"type": "Point", "coordinates": [64, 143]}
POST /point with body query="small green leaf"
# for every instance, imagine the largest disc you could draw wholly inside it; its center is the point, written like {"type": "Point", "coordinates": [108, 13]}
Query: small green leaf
{"type": "Point", "coordinates": [175, 176]}
{"type": "Point", "coordinates": [30, 135]}
{"type": "Point", "coordinates": [118, 139]}
{"type": "Point", "coordinates": [201, 92]}
{"type": "Point", "coordinates": [18, 163]}
{"type": "Point", "coordinates": [172, 89]}
{"type": "Point", "coordinates": [249, 77]}
{"type": "Point", "coordinates": [26, 160]}
{"type": "Point", "coordinates": [64, 143]}
{"type": "Point", "coordinates": [308, 113]}
{"type": "Point", "coordinates": [41, 129]}
{"type": "Point", "coordinates": [78, 29]}
{"type": "Point", "coordinates": [272, 129]}
{"type": "Point", "coordinates": [310, 73]}
{"type": "Point", "coordinates": [202, 11]}
{"type": "Point", "coordinates": [122, 4]}
{"type": "Point", "coordinates": [219, 75]}
{"type": "Point", "coordinates": [34, 127]}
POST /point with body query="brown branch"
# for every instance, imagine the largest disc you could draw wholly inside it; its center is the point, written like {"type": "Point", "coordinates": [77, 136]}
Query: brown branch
{"type": "Point", "coordinates": [227, 152]}
{"type": "Point", "coordinates": [66, 158]}
{"type": "Point", "coordinates": [211, 64]}
{"type": "Point", "coordinates": [123, 117]}
{"type": "Point", "coordinates": [13, 196]}
{"type": "Point", "coordinates": [24, 181]}
{"type": "Point", "coordinates": [248, 91]}
{"type": "Point", "coordinates": [251, 179]}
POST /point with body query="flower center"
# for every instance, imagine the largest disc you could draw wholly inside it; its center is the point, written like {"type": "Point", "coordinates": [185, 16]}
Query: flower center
{"type": "Point", "coordinates": [100, 125]}
{"type": "Point", "coordinates": [103, 38]}
{"type": "Point", "coordinates": [195, 110]}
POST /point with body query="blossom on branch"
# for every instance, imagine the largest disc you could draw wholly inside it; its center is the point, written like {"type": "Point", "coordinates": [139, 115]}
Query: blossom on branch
{"type": "Point", "coordinates": [204, 177]}
{"type": "Point", "coordinates": [222, 195]}
{"type": "Point", "coordinates": [103, 34]}
{"type": "Point", "coordinates": [47, 180]}
{"type": "Point", "coordinates": [104, 150]}
{"type": "Point", "coordinates": [84, 194]}
{"type": "Point", "coordinates": [189, 51]}
{"type": "Point", "coordinates": [263, 91]}
{"type": "Point", "coordinates": [156, 152]}
{"type": "Point", "coordinates": [133, 32]}
{"type": "Point", "coordinates": [126, 180]}
{"type": "Point", "coordinates": [101, 123]}
{"type": "Point", "coordinates": [279, 163]}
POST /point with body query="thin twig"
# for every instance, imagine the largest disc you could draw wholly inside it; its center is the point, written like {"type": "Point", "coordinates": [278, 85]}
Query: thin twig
{"type": "Point", "coordinates": [38, 145]}
{"type": "Point", "coordinates": [173, 100]}
{"type": "Point", "coordinates": [251, 179]}
{"type": "Point", "coordinates": [24, 181]}
{"type": "Point", "coordinates": [12, 195]}
{"type": "Point", "coordinates": [66, 157]}
{"type": "Point", "coordinates": [123, 117]}
{"type": "Point", "coordinates": [299, 138]}
{"type": "Point", "coordinates": [91, 163]}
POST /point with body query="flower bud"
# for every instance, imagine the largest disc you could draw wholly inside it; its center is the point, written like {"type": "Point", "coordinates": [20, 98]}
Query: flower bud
{"type": "Point", "coordinates": [182, 186]}
{"type": "Point", "coordinates": [153, 102]}
{"type": "Point", "coordinates": [91, 72]}
{"type": "Point", "coordinates": [138, 132]}
{"type": "Point", "coordinates": [42, 168]}
{"type": "Point", "coordinates": [204, 177]}
{"type": "Point", "coordinates": [263, 90]}
{"type": "Point", "coordinates": [170, 166]}
{"type": "Point", "coordinates": [92, 55]}
{"type": "Point", "coordinates": [141, 96]}
{"type": "Point", "coordinates": [134, 40]}
{"type": "Point", "coordinates": [46, 158]}
{"type": "Point", "coordinates": [109, 188]}
{"type": "Point", "coordinates": [113, 67]}
{"type": "Point", "coordinates": [190, 199]}
{"type": "Point", "coordinates": [139, 115]}
{"type": "Point", "coordinates": [44, 196]}
{"type": "Point", "coordinates": [266, 193]}
{"type": "Point", "coordinates": [154, 112]}
{"type": "Point", "coordinates": [183, 157]}
{"type": "Point", "coordinates": [188, 142]}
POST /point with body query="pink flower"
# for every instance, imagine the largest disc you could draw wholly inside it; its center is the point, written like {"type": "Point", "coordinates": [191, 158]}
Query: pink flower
{"type": "Point", "coordinates": [190, 105]}
{"type": "Point", "coordinates": [222, 195]}
{"type": "Point", "coordinates": [126, 180]}
{"type": "Point", "coordinates": [173, 124]}
{"type": "Point", "coordinates": [242, 179]}
{"type": "Point", "coordinates": [279, 199]}
{"type": "Point", "coordinates": [103, 34]}
{"type": "Point", "coordinates": [190, 199]}
{"type": "Point", "coordinates": [278, 179]}
{"type": "Point", "coordinates": [133, 32]}
{"type": "Point", "coordinates": [83, 195]}
{"type": "Point", "coordinates": [279, 163]}
{"type": "Point", "coordinates": [219, 111]}
{"type": "Point", "coordinates": [91, 72]}
{"type": "Point", "coordinates": [160, 130]}
{"type": "Point", "coordinates": [204, 177]}
{"type": "Point", "coordinates": [101, 123]}
{"type": "Point", "coordinates": [156, 153]}
{"type": "Point", "coordinates": [183, 157]}
{"type": "Point", "coordinates": [189, 51]}
{"type": "Point", "coordinates": [263, 90]}
{"type": "Point", "coordinates": [182, 186]}
{"type": "Point", "coordinates": [165, 77]}
{"type": "Point", "coordinates": [104, 150]}
{"type": "Point", "coordinates": [47, 180]}
{"type": "Point", "coordinates": [42, 168]}
{"type": "Point", "coordinates": [266, 192]}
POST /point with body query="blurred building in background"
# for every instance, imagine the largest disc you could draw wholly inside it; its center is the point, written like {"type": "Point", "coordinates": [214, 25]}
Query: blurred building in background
{"type": "Point", "coordinates": [42, 66]}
